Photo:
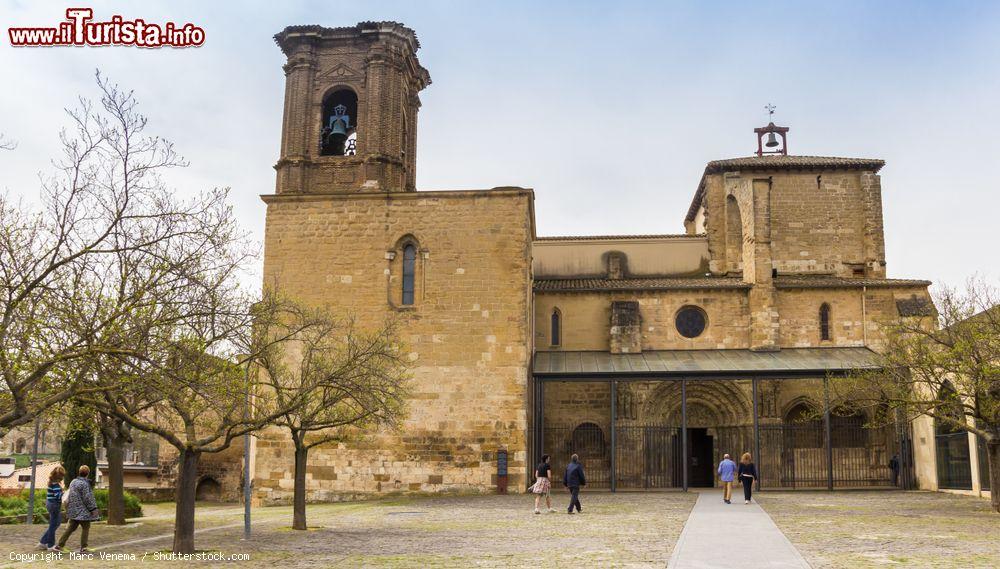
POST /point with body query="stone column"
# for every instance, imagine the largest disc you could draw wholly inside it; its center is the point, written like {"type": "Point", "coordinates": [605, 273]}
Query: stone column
{"type": "Point", "coordinates": [754, 199]}
{"type": "Point", "coordinates": [874, 237]}
{"type": "Point", "coordinates": [297, 125]}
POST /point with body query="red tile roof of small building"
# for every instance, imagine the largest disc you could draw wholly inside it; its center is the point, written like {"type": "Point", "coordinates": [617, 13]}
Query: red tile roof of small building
{"type": "Point", "coordinates": [600, 284]}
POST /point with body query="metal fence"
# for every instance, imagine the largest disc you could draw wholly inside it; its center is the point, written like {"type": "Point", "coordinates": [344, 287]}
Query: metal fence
{"type": "Point", "coordinates": [648, 456]}
{"type": "Point", "coordinates": [954, 465]}
{"type": "Point", "coordinates": [790, 455]}
{"type": "Point", "coordinates": [587, 440]}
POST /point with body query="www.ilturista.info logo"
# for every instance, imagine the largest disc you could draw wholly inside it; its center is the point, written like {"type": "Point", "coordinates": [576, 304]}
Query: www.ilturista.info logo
{"type": "Point", "coordinates": [78, 29]}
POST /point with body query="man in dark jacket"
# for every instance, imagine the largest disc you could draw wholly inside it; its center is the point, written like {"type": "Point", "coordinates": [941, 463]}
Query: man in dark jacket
{"type": "Point", "coordinates": [573, 479]}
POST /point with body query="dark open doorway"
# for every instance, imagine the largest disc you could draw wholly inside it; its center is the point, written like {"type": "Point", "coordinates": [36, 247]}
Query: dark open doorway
{"type": "Point", "coordinates": [700, 459]}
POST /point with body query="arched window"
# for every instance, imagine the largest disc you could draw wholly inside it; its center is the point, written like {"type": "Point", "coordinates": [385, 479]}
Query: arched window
{"type": "Point", "coordinates": [802, 427]}
{"type": "Point", "coordinates": [587, 441]}
{"type": "Point", "coordinates": [824, 321]}
{"type": "Point", "coordinates": [556, 335]}
{"type": "Point", "coordinates": [409, 270]}
{"type": "Point", "coordinates": [338, 132]}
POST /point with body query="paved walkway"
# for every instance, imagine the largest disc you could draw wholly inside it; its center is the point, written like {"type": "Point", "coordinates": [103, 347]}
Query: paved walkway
{"type": "Point", "coordinates": [726, 535]}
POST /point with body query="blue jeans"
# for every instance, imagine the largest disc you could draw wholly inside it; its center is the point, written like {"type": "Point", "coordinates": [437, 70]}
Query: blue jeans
{"type": "Point", "coordinates": [55, 518]}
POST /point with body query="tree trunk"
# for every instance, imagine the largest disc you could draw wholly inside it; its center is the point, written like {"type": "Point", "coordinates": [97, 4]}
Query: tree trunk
{"type": "Point", "coordinates": [115, 446]}
{"type": "Point", "coordinates": [187, 482]}
{"type": "Point", "coordinates": [299, 501]}
{"type": "Point", "coordinates": [993, 452]}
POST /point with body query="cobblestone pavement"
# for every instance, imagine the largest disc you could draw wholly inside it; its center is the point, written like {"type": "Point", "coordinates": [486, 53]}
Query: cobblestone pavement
{"type": "Point", "coordinates": [880, 529]}
{"type": "Point", "coordinates": [621, 530]}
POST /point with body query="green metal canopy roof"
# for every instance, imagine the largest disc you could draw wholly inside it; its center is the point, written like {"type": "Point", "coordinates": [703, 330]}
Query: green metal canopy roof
{"type": "Point", "coordinates": [788, 362]}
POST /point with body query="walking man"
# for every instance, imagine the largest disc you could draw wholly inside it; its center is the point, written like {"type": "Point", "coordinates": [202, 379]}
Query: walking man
{"type": "Point", "coordinates": [894, 467]}
{"type": "Point", "coordinates": [727, 471]}
{"type": "Point", "coordinates": [573, 479]}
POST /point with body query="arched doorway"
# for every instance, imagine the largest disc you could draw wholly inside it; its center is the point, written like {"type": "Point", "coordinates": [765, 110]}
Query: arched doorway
{"type": "Point", "coordinates": [719, 421]}
{"type": "Point", "coordinates": [208, 490]}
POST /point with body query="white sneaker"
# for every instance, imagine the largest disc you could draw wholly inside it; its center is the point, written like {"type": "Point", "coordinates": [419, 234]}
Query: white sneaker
{"type": "Point", "coordinates": [551, 510]}
{"type": "Point", "coordinates": [747, 502]}
{"type": "Point", "coordinates": [536, 511]}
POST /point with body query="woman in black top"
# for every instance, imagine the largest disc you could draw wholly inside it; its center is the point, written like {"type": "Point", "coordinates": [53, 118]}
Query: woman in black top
{"type": "Point", "coordinates": [543, 484]}
{"type": "Point", "coordinates": [747, 473]}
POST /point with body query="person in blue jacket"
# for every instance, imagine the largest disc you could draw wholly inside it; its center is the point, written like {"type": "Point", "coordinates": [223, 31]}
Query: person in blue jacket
{"type": "Point", "coordinates": [53, 503]}
{"type": "Point", "coordinates": [727, 471]}
{"type": "Point", "coordinates": [574, 479]}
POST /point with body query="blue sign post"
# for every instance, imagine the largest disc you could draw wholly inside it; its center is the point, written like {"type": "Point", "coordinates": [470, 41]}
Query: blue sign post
{"type": "Point", "coordinates": [502, 471]}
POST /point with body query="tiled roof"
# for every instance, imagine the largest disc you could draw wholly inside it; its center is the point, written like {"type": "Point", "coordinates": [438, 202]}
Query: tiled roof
{"type": "Point", "coordinates": [834, 282]}
{"type": "Point", "coordinates": [41, 475]}
{"type": "Point", "coordinates": [680, 363]}
{"type": "Point", "coordinates": [587, 285]}
{"type": "Point", "coordinates": [695, 283]}
{"type": "Point", "coordinates": [779, 162]}
{"type": "Point", "coordinates": [915, 306]}
{"type": "Point", "coordinates": [616, 237]}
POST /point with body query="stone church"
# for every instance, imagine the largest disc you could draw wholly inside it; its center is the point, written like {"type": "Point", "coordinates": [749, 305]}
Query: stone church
{"type": "Point", "coordinates": [648, 355]}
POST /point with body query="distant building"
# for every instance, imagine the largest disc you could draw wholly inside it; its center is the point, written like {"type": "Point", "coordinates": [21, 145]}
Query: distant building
{"type": "Point", "coordinates": [21, 477]}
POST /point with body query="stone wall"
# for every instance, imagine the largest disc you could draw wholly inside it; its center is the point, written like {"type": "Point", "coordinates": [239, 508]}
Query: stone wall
{"type": "Point", "coordinates": [467, 334]}
{"type": "Point", "coordinates": [853, 311]}
{"type": "Point", "coordinates": [586, 319]}
{"type": "Point", "coordinates": [818, 222]}
{"type": "Point", "coordinates": [224, 467]}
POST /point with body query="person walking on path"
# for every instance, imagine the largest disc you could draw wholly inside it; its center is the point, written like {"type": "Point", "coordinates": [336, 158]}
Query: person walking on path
{"type": "Point", "coordinates": [727, 471]}
{"type": "Point", "coordinates": [894, 467]}
{"type": "Point", "coordinates": [53, 503]}
{"type": "Point", "coordinates": [81, 509]}
{"type": "Point", "coordinates": [543, 484]}
{"type": "Point", "coordinates": [747, 473]}
{"type": "Point", "coordinates": [573, 479]}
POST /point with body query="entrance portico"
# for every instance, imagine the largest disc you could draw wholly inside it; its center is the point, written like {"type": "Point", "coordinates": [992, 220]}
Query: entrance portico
{"type": "Point", "coordinates": [663, 419]}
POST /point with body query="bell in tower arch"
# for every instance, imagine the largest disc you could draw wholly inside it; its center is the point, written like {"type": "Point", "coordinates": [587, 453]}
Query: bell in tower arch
{"type": "Point", "coordinates": [339, 108]}
{"type": "Point", "coordinates": [772, 140]}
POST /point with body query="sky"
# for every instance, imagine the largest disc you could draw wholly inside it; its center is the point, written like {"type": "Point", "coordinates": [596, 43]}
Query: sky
{"type": "Point", "coordinates": [608, 110]}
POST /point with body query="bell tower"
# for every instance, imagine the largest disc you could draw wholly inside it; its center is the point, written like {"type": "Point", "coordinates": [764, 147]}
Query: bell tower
{"type": "Point", "coordinates": [350, 114]}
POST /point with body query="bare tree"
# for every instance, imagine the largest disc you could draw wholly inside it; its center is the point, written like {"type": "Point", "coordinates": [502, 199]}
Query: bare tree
{"type": "Point", "coordinates": [108, 233]}
{"type": "Point", "coordinates": [194, 378]}
{"type": "Point", "coordinates": [6, 143]}
{"type": "Point", "coordinates": [347, 380]}
{"type": "Point", "coordinates": [944, 364]}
